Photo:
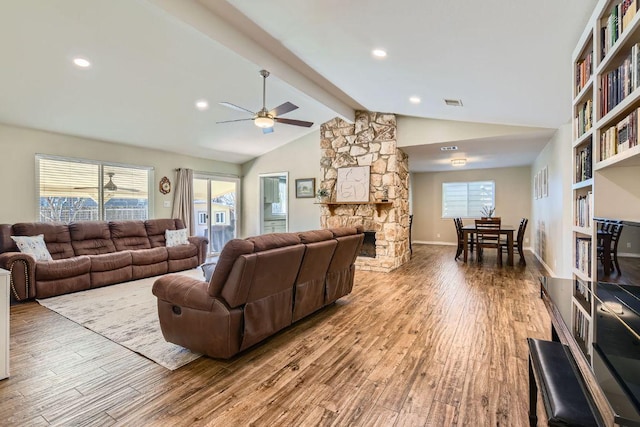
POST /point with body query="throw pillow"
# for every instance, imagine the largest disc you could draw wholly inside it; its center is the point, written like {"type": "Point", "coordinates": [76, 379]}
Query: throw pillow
{"type": "Point", "coordinates": [176, 237]}
{"type": "Point", "coordinates": [34, 246]}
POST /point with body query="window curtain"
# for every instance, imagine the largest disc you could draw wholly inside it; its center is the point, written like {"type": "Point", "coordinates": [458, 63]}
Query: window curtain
{"type": "Point", "coordinates": [183, 199]}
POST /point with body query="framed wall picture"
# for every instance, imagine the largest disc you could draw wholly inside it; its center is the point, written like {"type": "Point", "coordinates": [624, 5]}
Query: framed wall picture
{"type": "Point", "coordinates": [545, 182]}
{"type": "Point", "coordinates": [352, 184]}
{"type": "Point", "coordinates": [305, 188]}
{"type": "Point", "coordinates": [536, 186]}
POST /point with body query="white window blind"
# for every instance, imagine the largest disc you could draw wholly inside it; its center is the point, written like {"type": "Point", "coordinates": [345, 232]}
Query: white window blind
{"type": "Point", "coordinates": [467, 199]}
{"type": "Point", "coordinates": [78, 190]}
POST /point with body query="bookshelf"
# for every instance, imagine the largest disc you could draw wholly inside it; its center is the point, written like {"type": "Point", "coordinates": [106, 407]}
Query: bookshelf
{"type": "Point", "coordinates": [606, 130]}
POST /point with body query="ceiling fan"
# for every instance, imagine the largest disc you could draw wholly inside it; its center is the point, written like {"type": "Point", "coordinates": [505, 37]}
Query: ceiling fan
{"type": "Point", "coordinates": [110, 186]}
{"type": "Point", "coordinates": [264, 118]}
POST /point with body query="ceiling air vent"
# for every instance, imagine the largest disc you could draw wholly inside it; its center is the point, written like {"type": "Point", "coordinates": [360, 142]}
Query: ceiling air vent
{"type": "Point", "coordinates": [449, 148]}
{"type": "Point", "coordinates": [453, 102]}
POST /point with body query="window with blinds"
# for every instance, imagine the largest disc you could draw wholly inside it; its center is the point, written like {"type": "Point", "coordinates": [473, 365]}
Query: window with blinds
{"type": "Point", "coordinates": [467, 199]}
{"type": "Point", "coordinates": [84, 190]}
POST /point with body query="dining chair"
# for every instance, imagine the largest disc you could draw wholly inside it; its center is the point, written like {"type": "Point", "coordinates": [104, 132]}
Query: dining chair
{"type": "Point", "coordinates": [519, 241]}
{"type": "Point", "coordinates": [488, 236]}
{"type": "Point", "coordinates": [458, 223]}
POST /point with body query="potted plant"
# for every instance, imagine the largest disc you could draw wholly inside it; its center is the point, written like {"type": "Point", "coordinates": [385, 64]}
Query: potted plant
{"type": "Point", "coordinates": [488, 211]}
{"type": "Point", "coordinates": [323, 195]}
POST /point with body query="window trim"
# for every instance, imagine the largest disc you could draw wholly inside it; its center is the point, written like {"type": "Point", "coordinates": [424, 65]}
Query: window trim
{"type": "Point", "coordinates": [101, 164]}
{"type": "Point", "coordinates": [493, 196]}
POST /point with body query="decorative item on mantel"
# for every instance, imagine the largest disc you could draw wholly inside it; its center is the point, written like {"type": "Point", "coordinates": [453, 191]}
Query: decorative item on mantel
{"type": "Point", "coordinates": [488, 211]}
{"type": "Point", "coordinates": [324, 195]}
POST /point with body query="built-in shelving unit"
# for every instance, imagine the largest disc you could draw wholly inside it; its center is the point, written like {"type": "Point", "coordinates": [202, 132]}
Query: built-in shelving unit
{"type": "Point", "coordinates": [606, 130]}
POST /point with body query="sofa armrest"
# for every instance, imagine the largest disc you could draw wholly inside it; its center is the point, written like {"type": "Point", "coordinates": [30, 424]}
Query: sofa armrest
{"type": "Point", "coordinates": [184, 291]}
{"type": "Point", "coordinates": [201, 243]}
{"type": "Point", "coordinates": [23, 273]}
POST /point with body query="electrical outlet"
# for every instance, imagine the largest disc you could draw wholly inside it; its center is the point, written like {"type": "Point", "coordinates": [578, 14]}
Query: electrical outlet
{"type": "Point", "coordinates": [628, 244]}
{"type": "Point", "coordinates": [167, 203]}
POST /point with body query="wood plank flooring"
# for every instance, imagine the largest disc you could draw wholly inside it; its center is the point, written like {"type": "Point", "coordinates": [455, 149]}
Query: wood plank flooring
{"type": "Point", "coordinates": [436, 343]}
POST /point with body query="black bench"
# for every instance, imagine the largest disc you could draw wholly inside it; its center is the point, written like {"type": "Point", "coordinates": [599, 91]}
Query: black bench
{"type": "Point", "coordinates": [553, 369]}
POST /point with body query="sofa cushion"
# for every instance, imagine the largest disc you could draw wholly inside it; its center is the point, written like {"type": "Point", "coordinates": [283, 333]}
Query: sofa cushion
{"type": "Point", "coordinates": [230, 253]}
{"type": "Point", "coordinates": [182, 251]}
{"type": "Point", "coordinates": [343, 231]}
{"type": "Point", "coordinates": [34, 246]}
{"type": "Point", "coordinates": [128, 235]}
{"type": "Point", "coordinates": [149, 256]}
{"type": "Point", "coordinates": [315, 236]}
{"type": "Point", "coordinates": [273, 240]}
{"type": "Point", "coordinates": [112, 261]}
{"type": "Point", "coordinates": [176, 237]}
{"type": "Point", "coordinates": [62, 268]}
{"type": "Point", "coordinates": [156, 230]}
{"type": "Point", "coordinates": [56, 236]}
{"type": "Point", "coordinates": [91, 238]}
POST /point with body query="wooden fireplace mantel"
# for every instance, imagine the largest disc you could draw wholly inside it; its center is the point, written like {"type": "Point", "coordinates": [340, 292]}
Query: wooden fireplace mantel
{"type": "Point", "coordinates": [332, 205]}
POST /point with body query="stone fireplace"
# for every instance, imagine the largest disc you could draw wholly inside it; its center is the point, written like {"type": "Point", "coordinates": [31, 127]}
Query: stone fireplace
{"type": "Point", "coordinates": [370, 141]}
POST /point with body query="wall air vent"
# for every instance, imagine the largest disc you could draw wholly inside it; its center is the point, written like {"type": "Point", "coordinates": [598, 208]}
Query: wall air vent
{"type": "Point", "coordinates": [449, 148]}
{"type": "Point", "coordinates": [453, 102]}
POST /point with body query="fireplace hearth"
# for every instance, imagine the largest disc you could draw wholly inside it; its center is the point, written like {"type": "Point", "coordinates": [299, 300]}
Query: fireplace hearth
{"type": "Point", "coordinates": [369, 245]}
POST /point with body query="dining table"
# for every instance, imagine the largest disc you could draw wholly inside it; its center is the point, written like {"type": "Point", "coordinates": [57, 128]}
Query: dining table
{"type": "Point", "coordinates": [470, 230]}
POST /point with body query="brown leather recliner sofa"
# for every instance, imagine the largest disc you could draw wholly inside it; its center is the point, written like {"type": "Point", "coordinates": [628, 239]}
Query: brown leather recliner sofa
{"type": "Point", "coordinates": [260, 285]}
{"type": "Point", "coordinates": [90, 254]}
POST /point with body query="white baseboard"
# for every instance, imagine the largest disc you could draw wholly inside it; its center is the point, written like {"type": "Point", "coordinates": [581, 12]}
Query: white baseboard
{"type": "Point", "coordinates": [544, 264]}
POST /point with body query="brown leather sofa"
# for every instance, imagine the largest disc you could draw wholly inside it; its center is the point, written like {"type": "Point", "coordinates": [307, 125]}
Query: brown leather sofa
{"type": "Point", "coordinates": [91, 254]}
{"type": "Point", "coordinates": [260, 285]}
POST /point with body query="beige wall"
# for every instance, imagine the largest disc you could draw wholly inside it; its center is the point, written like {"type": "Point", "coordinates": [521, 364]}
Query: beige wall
{"type": "Point", "coordinates": [17, 171]}
{"type": "Point", "coordinates": [513, 200]}
{"type": "Point", "coordinates": [301, 158]}
{"type": "Point", "coordinates": [551, 219]}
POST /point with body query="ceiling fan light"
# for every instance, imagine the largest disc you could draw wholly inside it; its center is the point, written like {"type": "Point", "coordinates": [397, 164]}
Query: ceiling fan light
{"type": "Point", "coordinates": [264, 122]}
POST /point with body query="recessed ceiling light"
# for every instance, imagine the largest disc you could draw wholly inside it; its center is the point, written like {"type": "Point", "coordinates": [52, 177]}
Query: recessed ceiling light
{"type": "Point", "coordinates": [202, 104]}
{"type": "Point", "coordinates": [379, 53]}
{"type": "Point", "coordinates": [449, 148]}
{"type": "Point", "coordinates": [453, 102]}
{"type": "Point", "coordinates": [415, 100]}
{"type": "Point", "coordinates": [81, 62]}
{"type": "Point", "coordinates": [458, 162]}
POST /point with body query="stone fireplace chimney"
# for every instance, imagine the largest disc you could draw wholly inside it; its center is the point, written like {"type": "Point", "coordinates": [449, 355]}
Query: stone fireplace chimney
{"type": "Point", "coordinates": [371, 141]}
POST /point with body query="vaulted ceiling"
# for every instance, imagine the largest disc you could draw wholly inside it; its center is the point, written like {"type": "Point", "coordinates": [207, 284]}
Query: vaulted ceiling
{"type": "Point", "coordinates": [151, 60]}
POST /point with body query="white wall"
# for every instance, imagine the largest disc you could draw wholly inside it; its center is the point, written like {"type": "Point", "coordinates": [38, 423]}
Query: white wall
{"type": "Point", "coordinates": [19, 147]}
{"type": "Point", "coordinates": [301, 158]}
{"type": "Point", "coordinates": [513, 200]}
{"type": "Point", "coordinates": [551, 219]}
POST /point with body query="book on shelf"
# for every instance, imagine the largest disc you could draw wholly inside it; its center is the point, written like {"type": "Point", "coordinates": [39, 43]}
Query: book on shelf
{"type": "Point", "coordinates": [583, 163]}
{"type": "Point", "coordinates": [584, 118]}
{"type": "Point", "coordinates": [583, 255]}
{"type": "Point", "coordinates": [620, 82]}
{"type": "Point", "coordinates": [581, 328]}
{"type": "Point", "coordinates": [583, 210]}
{"type": "Point", "coordinates": [583, 71]}
{"type": "Point", "coordinates": [628, 9]}
{"type": "Point", "coordinates": [582, 290]}
{"type": "Point", "coordinates": [620, 137]}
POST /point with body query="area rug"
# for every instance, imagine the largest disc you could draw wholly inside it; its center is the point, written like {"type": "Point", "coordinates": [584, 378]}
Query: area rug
{"type": "Point", "coordinates": [127, 314]}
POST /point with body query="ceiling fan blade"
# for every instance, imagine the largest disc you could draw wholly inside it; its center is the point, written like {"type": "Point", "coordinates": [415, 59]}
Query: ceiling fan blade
{"type": "Point", "coordinates": [235, 107]}
{"type": "Point", "coordinates": [283, 109]}
{"type": "Point", "coordinates": [267, 130]}
{"type": "Point", "coordinates": [237, 120]}
{"type": "Point", "coordinates": [294, 122]}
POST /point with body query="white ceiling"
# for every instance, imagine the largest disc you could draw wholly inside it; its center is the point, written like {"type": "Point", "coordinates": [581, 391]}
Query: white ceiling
{"type": "Point", "coordinates": [508, 61]}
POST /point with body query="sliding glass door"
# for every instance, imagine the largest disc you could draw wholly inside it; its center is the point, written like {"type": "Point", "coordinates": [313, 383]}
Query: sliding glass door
{"type": "Point", "coordinates": [215, 207]}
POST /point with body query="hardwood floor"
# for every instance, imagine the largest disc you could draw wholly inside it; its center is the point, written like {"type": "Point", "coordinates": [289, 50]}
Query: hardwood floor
{"type": "Point", "coordinates": [435, 343]}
